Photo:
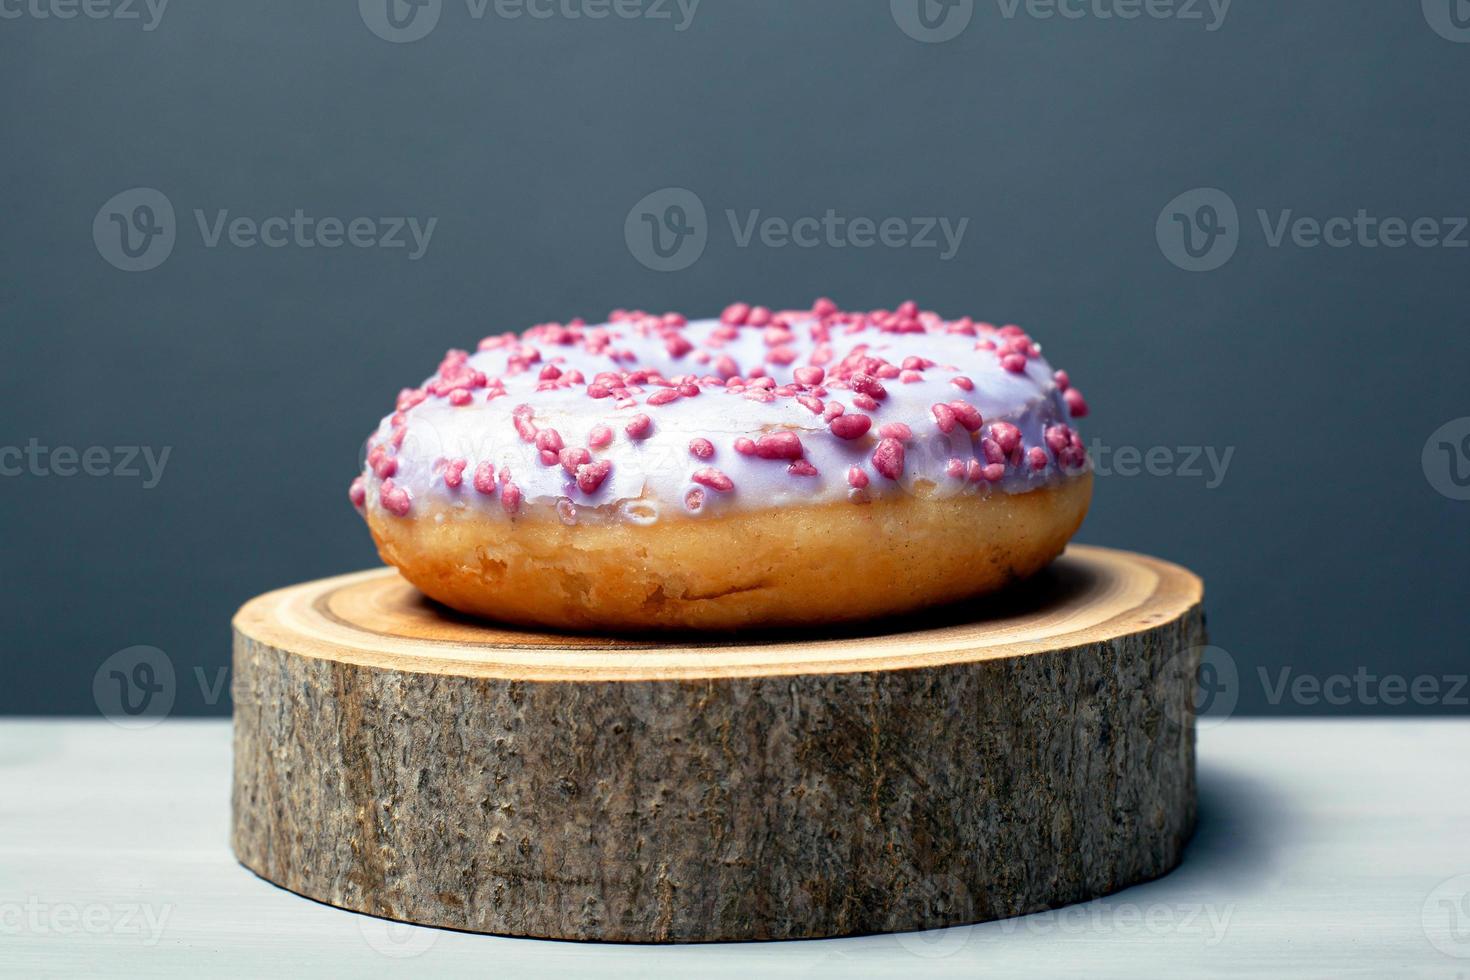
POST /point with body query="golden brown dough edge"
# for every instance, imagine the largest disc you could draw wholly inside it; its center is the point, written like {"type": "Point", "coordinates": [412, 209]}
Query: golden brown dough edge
{"type": "Point", "coordinates": [786, 566]}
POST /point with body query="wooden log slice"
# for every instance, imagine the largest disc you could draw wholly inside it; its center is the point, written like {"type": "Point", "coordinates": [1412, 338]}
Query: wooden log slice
{"type": "Point", "coordinates": [1023, 752]}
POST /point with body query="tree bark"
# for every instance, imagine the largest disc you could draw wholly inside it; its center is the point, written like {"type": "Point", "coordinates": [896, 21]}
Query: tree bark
{"type": "Point", "coordinates": [394, 759]}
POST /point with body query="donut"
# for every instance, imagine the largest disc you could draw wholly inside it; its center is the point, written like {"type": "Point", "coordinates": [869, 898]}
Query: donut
{"type": "Point", "coordinates": [761, 469]}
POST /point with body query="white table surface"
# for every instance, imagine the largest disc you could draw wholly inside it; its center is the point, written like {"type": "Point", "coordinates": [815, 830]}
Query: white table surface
{"type": "Point", "coordinates": [1324, 848]}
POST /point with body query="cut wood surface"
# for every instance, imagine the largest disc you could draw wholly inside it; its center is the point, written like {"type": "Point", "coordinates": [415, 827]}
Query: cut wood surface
{"type": "Point", "coordinates": [1025, 751]}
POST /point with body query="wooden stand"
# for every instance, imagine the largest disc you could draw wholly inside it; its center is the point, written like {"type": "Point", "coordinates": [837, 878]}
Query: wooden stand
{"type": "Point", "coordinates": [1029, 750]}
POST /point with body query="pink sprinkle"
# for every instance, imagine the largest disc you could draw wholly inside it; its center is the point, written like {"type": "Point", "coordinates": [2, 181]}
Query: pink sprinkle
{"type": "Point", "coordinates": [994, 472]}
{"type": "Point", "coordinates": [809, 375]}
{"type": "Point", "coordinates": [525, 428]}
{"type": "Point", "coordinates": [811, 403]}
{"type": "Point", "coordinates": [726, 367]}
{"type": "Point", "coordinates": [1076, 404]}
{"type": "Point", "coordinates": [759, 317]}
{"type": "Point", "coordinates": [781, 355]}
{"type": "Point", "coordinates": [714, 479]}
{"type": "Point", "coordinates": [910, 377]}
{"type": "Point", "coordinates": [394, 498]}
{"type": "Point", "coordinates": [694, 499]}
{"type": "Point", "coordinates": [1006, 435]}
{"type": "Point", "coordinates": [868, 385]}
{"type": "Point", "coordinates": [865, 402]}
{"type": "Point", "coordinates": [801, 468]}
{"type": "Point", "coordinates": [963, 383]}
{"type": "Point", "coordinates": [510, 497]}
{"type": "Point", "coordinates": [944, 417]}
{"type": "Point", "coordinates": [856, 478]}
{"type": "Point", "coordinates": [573, 457]}
{"type": "Point", "coordinates": [1057, 438]}
{"type": "Point", "coordinates": [591, 475]}
{"type": "Point", "coordinates": [1014, 363]}
{"type": "Point", "coordinates": [677, 345]}
{"type": "Point", "coordinates": [454, 472]}
{"type": "Point", "coordinates": [600, 436]}
{"type": "Point", "coordinates": [833, 409]}
{"type": "Point", "coordinates": [744, 446]}
{"type": "Point", "coordinates": [701, 448]}
{"type": "Point", "coordinates": [596, 390]}
{"type": "Point", "coordinates": [824, 307]}
{"type": "Point", "coordinates": [385, 467]}
{"type": "Point", "coordinates": [853, 426]}
{"type": "Point", "coordinates": [663, 396]}
{"type": "Point", "coordinates": [974, 472]}
{"type": "Point", "coordinates": [912, 363]}
{"type": "Point", "coordinates": [687, 390]}
{"type": "Point", "coordinates": [549, 439]}
{"type": "Point", "coordinates": [779, 445]}
{"type": "Point", "coordinates": [639, 427]}
{"type": "Point", "coordinates": [1036, 456]}
{"type": "Point", "coordinates": [1063, 381]}
{"type": "Point", "coordinates": [955, 468]}
{"type": "Point", "coordinates": [888, 458]}
{"type": "Point", "coordinates": [549, 373]}
{"type": "Point", "coordinates": [991, 449]}
{"type": "Point", "coordinates": [967, 415]}
{"type": "Point", "coordinates": [484, 479]}
{"type": "Point", "coordinates": [896, 430]}
{"type": "Point", "coordinates": [548, 457]}
{"type": "Point", "coordinates": [735, 314]}
{"type": "Point", "coordinates": [460, 396]}
{"type": "Point", "coordinates": [357, 493]}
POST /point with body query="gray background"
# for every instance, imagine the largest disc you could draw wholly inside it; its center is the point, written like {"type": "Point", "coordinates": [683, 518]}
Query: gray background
{"type": "Point", "coordinates": [1326, 549]}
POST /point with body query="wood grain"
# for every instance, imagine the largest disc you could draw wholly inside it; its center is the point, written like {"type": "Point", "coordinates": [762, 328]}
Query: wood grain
{"type": "Point", "coordinates": [1023, 752]}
